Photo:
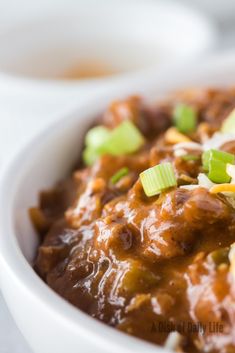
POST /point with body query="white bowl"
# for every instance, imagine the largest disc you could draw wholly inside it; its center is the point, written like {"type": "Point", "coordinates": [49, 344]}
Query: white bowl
{"type": "Point", "coordinates": [129, 36]}
{"type": "Point", "coordinates": [48, 322]}
{"type": "Point", "coordinates": [221, 10]}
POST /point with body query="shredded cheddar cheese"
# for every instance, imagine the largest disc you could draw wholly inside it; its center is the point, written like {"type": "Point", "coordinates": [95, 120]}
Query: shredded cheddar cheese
{"type": "Point", "coordinates": [222, 188]}
{"type": "Point", "coordinates": [173, 136]}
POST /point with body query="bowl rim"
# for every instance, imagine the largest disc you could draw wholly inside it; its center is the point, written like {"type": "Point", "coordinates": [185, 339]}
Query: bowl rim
{"type": "Point", "coordinates": [11, 256]}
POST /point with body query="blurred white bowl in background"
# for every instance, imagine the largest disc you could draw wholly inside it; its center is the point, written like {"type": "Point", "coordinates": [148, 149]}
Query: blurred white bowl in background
{"type": "Point", "coordinates": [221, 10]}
{"type": "Point", "coordinates": [122, 37]}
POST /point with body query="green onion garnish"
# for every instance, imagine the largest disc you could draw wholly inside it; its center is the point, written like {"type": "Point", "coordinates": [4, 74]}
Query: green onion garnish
{"type": "Point", "coordinates": [124, 139]}
{"type": "Point", "coordinates": [216, 154]}
{"type": "Point", "coordinates": [157, 179]}
{"type": "Point", "coordinates": [228, 125]}
{"type": "Point", "coordinates": [215, 162]}
{"type": "Point", "coordinates": [185, 118]}
{"type": "Point", "coordinates": [217, 172]}
{"type": "Point", "coordinates": [96, 136]}
{"type": "Point", "coordinates": [190, 157]}
{"type": "Point", "coordinates": [119, 175]}
{"type": "Point", "coordinates": [90, 155]}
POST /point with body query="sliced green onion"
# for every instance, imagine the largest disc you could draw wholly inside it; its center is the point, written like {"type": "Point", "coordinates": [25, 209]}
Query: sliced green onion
{"type": "Point", "coordinates": [96, 136]}
{"type": "Point", "coordinates": [124, 139]}
{"type": "Point", "coordinates": [217, 172]}
{"type": "Point", "coordinates": [185, 118]}
{"type": "Point", "coordinates": [158, 178]}
{"type": "Point", "coordinates": [119, 175]}
{"type": "Point", "coordinates": [190, 157]}
{"type": "Point", "coordinates": [215, 162]}
{"type": "Point", "coordinates": [90, 155]}
{"type": "Point", "coordinates": [228, 125]}
{"type": "Point", "coordinates": [218, 155]}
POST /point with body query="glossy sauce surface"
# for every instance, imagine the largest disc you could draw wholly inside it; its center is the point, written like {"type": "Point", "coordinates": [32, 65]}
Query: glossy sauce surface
{"type": "Point", "coordinates": [144, 264]}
